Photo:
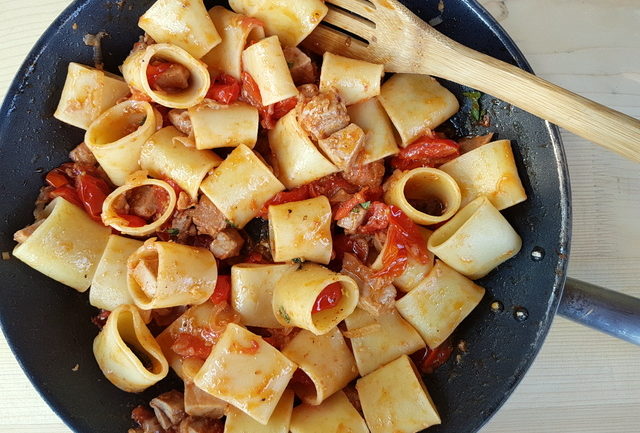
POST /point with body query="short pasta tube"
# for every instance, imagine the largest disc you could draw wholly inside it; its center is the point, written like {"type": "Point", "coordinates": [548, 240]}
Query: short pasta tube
{"type": "Point", "coordinates": [335, 414]}
{"type": "Point", "coordinates": [127, 353]}
{"type": "Point", "coordinates": [109, 287]}
{"type": "Point", "coordinates": [252, 287]}
{"type": "Point", "coordinates": [87, 93]}
{"type": "Point", "coordinates": [326, 359]}
{"type": "Point", "coordinates": [489, 170]}
{"type": "Point", "coordinates": [184, 23]}
{"type": "Point", "coordinates": [266, 64]}
{"type": "Point", "coordinates": [380, 139]}
{"type": "Point", "coordinates": [407, 407]}
{"type": "Point", "coordinates": [298, 159]}
{"type": "Point", "coordinates": [439, 303]}
{"type": "Point", "coordinates": [239, 422]}
{"type": "Point", "coordinates": [426, 195]}
{"type": "Point", "coordinates": [415, 270]}
{"type": "Point", "coordinates": [162, 156]}
{"type": "Point", "coordinates": [354, 80]}
{"type": "Point", "coordinates": [224, 375]}
{"type": "Point", "coordinates": [476, 240]}
{"type": "Point", "coordinates": [66, 245]}
{"type": "Point", "coordinates": [379, 340]}
{"type": "Point", "coordinates": [314, 298]}
{"type": "Point", "coordinates": [416, 104]}
{"type": "Point", "coordinates": [136, 66]}
{"type": "Point", "coordinates": [291, 20]}
{"type": "Point", "coordinates": [301, 230]}
{"type": "Point", "coordinates": [221, 125]}
{"type": "Point", "coordinates": [114, 208]}
{"type": "Point", "coordinates": [235, 30]}
{"type": "Point", "coordinates": [167, 274]}
{"type": "Point", "coordinates": [241, 185]}
{"type": "Point", "coordinates": [116, 137]}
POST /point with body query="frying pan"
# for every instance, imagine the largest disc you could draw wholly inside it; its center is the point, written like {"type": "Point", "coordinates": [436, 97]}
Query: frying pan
{"type": "Point", "coordinates": [47, 324]}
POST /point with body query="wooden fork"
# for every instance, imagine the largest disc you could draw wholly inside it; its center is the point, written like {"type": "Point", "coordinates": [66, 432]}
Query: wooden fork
{"type": "Point", "coordinates": [404, 43]}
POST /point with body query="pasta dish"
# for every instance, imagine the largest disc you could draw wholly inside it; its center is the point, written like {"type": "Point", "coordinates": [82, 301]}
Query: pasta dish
{"type": "Point", "coordinates": [295, 237]}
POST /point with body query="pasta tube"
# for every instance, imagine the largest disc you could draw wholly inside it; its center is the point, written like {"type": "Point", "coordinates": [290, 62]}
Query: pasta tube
{"type": "Point", "coordinates": [380, 139]}
{"type": "Point", "coordinates": [184, 23]}
{"type": "Point", "coordinates": [162, 156]}
{"type": "Point", "coordinates": [296, 294]}
{"type": "Point", "coordinates": [109, 285]}
{"type": "Point", "coordinates": [326, 359]}
{"type": "Point", "coordinates": [266, 64]}
{"type": "Point", "coordinates": [252, 292]}
{"type": "Point", "coordinates": [439, 303]}
{"type": "Point", "coordinates": [235, 30]}
{"type": "Point", "coordinates": [336, 414]}
{"type": "Point", "coordinates": [87, 93]}
{"type": "Point", "coordinates": [241, 185]}
{"type": "Point", "coordinates": [220, 125]}
{"type": "Point", "coordinates": [111, 213]}
{"type": "Point", "coordinates": [298, 160]}
{"type": "Point", "coordinates": [66, 246]}
{"type": "Point", "coordinates": [127, 353]}
{"type": "Point", "coordinates": [489, 170]}
{"type": "Point", "coordinates": [407, 407]}
{"type": "Point", "coordinates": [377, 341]}
{"type": "Point", "coordinates": [239, 422]}
{"type": "Point", "coordinates": [426, 195]}
{"type": "Point", "coordinates": [291, 20]}
{"type": "Point", "coordinates": [135, 68]}
{"type": "Point", "coordinates": [476, 240]}
{"type": "Point", "coordinates": [223, 375]}
{"type": "Point", "coordinates": [116, 137]}
{"type": "Point", "coordinates": [167, 274]}
{"type": "Point", "coordinates": [416, 104]}
{"type": "Point", "coordinates": [354, 80]}
{"type": "Point", "coordinates": [301, 229]}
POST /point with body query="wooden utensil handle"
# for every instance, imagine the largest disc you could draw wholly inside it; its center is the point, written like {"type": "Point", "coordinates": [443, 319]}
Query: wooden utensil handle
{"type": "Point", "coordinates": [595, 122]}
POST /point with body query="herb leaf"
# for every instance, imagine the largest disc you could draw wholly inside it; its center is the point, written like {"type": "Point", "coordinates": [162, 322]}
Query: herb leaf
{"type": "Point", "coordinates": [283, 313]}
{"type": "Point", "coordinates": [365, 205]}
{"type": "Point", "coordinates": [173, 231]}
{"type": "Point", "coordinates": [474, 97]}
{"type": "Point", "coordinates": [297, 260]}
{"type": "Point", "coordinates": [230, 224]}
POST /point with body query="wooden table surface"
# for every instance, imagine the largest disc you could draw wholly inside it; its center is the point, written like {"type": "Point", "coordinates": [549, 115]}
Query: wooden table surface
{"type": "Point", "coordinates": [582, 381]}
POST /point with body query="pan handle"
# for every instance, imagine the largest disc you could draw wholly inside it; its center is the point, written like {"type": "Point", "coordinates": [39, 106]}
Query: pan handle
{"type": "Point", "coordinates": [611, 312]}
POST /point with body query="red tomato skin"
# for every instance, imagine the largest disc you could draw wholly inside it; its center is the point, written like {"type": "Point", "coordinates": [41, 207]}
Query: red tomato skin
{"type": "Point", "coordinates": [68, 193]}
{"type": "Point", "coordinates": [56, 178]}
{"type": "Point", "coordinates": [133, 220]}
{"type": "Point", "coordinates": [222, 292]}
{"type": "Point", "coordinates": [224, 89]}
{"type": "Point", "coordinates": [328, 298]}
{"type": "Point", "coordinates": [296, 194]}
{"type": "Point", "coordinates": [92, 192]}
{"type": "Point", "coordinates": [191, 346]}
{"type": "Point", "coordinates": [426, 151]}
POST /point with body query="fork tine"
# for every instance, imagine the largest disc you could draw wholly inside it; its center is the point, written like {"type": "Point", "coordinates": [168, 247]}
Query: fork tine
{"type": "Point", "coordinates": [324, 38]}
{"type": "Point", "coordinates": [360, 7]}
{"type": "Point", "coordinates": [351, 23]}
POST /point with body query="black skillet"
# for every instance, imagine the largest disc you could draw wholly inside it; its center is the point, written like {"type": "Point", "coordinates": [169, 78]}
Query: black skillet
{"type": "Point", "coordinates": [48, 325]}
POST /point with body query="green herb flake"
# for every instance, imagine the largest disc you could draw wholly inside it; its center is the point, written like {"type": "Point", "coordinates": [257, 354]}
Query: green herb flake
{"type": "Point", "coordinates": [297, 261]}
{"type": "Point", "coordinates": [230, 224]}
{"type": "Point", "coordinates": [284, 315]}
{"type": "Point", "coordinates": [476, 112]}
{"type": "Point", "coordinates": [173, 231]}
{"type": "Point", "coordinates": [365, 205]}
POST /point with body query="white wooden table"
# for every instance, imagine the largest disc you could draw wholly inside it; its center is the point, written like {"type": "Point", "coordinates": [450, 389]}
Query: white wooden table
{"type": "Point", "coordinates": [582, 381]}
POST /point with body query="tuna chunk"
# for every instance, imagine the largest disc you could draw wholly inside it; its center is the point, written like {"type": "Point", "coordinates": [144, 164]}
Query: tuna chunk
{"type": "Point", "coordinates": [343, 146]}
{"type": "Point", "coordinates": [323, 115]}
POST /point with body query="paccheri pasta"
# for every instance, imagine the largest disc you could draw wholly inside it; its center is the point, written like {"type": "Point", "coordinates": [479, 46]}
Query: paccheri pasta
{"type": "Point", "coordinates": [292, 237]}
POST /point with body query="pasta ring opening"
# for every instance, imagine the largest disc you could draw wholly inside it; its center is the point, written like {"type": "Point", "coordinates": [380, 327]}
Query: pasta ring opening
{"type": "Point", "coordinates": [426, 195]}
{"type": "Point", "coordinates": [444, 233]}
{"type": "Point", "coordinates": [129, 337]}
{"type": "Point", "coordinates": [137, 71]}
{"type": "Point", "coordinates": [158, 205]}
